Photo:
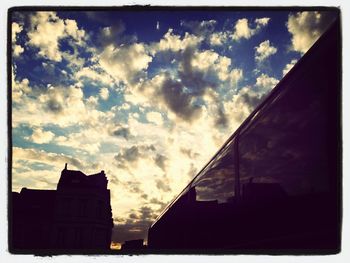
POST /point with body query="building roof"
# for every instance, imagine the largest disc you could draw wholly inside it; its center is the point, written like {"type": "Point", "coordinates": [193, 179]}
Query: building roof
{"type": "Point", "coordinates": [77, 179]}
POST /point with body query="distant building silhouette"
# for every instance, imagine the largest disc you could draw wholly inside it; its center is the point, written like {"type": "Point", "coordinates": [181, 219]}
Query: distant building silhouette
{"type": "Point", "coordinates": [75, 216]}
{"type": "Point", "coordinates": [133, 244]}
{"type": "Point", "coordinates": [275, 184]}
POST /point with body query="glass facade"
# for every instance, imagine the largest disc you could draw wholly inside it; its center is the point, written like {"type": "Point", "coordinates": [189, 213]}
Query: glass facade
{"type": "Point", "coordinates": [275, 184]}
{"type": "Point", "coordinates": [279, 146]}
{"type": "Point", "coordinates": [216, 181]}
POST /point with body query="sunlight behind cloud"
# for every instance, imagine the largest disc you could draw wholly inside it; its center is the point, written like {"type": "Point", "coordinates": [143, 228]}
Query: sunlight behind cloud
{"type": "Point", "coordinates": [148, 102]}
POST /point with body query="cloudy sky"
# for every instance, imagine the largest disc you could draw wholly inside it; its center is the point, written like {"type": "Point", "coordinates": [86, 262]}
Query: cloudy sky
{"type": "Point", "coordinates": [146, 96]}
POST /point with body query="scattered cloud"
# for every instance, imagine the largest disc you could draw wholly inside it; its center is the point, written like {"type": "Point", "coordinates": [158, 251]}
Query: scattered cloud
{"type": "Point", "coordinates": [94, 74]}
{"type": "Point", "coordinates": [59, 104]}
{"type": "Point", "coordinates": [16, 29]}
{"type": "Point", "coordinates": [125, 63]}
{"type": "Point", "coordinates": [46, 157]}
{"type": "Point", "coordinates": [122, 132]}
{"type": "Point", "coordinates": [131, 156]}
{"type": "Point", "coordinates": [218, 38]}
{"type": "Point", "coordinates": [200, 28]}
{"type": "Point", "coordinates": [306, 27]}
{"type": "Point", "coordinates": [174, 43]}
{"type": "Point", "coordinates": [265, 82]}
{"type": "Point", "coordinates": [47, 29]}
{"type": "Point", "coordinates": [104, 93]}
{"type": "Point", "coordinates": [161, 161]}
{"type": "Point", "coordinates": [262, 21]}
{"type": "Point", "coordinates": [71, 29]}
{"type": "Point", "coordinates": [241, 105]}
{"type": "Point", "coordinates": [243, 30]}
{"type": "Point", "coordinates": [155, 117]}
{"type": "Point", "coordinates": [163, 185]}
{"type": "Point", "coordinates": [197, 72]}
{"type": "Point", "coordinates": [189, 153]}
{"type": "Point", "coordinates": [85, 141]}
{"type": "Point", "coordinates": [114, 34]}
{"type": "Point", "coordinates": [264, 50]}
{"type": "Point", "coordinates": [16, 49]}
{"type": "Point", "coordinates": [289, 66]}
{"type": "Point", "coordinates": [40, 136]}
{"type": "Point", "coordinates": [19, 88]}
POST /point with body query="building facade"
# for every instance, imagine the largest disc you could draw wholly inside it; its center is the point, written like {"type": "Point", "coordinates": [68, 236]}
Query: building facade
{"type": "Point", "coordinates": [77, 215]}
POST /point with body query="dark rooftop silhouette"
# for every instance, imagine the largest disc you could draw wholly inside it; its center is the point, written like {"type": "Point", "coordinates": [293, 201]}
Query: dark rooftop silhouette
{"type": "Point", "coordinates": [75, 216]}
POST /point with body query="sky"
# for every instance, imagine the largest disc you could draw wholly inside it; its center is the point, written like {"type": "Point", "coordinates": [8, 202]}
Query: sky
{"type": "Point", "coordinates": [148, 96]}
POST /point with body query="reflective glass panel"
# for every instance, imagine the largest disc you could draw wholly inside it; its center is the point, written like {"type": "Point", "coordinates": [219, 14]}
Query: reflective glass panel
{"type": "Point", "coordinates": [216, 181]}
{"type": "Point", "coordinates": [286, 145]}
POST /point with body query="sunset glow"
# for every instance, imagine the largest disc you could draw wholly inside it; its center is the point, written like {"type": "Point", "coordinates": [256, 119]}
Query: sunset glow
{"type": "Point", "coordinates": [147, 96]}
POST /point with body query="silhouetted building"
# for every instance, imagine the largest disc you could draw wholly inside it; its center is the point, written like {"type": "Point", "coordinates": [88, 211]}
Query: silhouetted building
{"type": "Point", "coordinates": [75, 216]}
{"type": "Point", "coordinates": [32, 218]}
{"type": "Point", "coordinates": [275, 184]}
{"type": "Point", "coordinates": [258, 192]}
{"type": "Point", "coordinates": [133, 244]}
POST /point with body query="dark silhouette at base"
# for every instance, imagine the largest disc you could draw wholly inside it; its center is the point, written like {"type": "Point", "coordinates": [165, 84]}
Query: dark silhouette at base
{"type": "Point", "coordinates": [76, 216]}
{"type": "Point", "coordinates": [133, 245]}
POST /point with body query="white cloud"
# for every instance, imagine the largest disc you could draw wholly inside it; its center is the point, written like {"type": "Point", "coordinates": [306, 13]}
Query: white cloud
{"type": "Point", "coordinates": [16, 29]}
{"type": "Point", "coordinates": [19, 88]}
{"type": "Point", "coordinates": [16, 49]}
{"type": "Point", "coordinates": [206, 59]}
{"type": "Point", "coordinates": [218, 38]}
{"type": "Point", "coordinates": [197, 71]}
{"type": "Point", "coordinates": [94, 74]}
{"type": "Point", "coordinates": [125, 106]}
{"type": "Point", "coordinates": [265, 83]}
{"type": "Point", "coordinates": [75, 60]}
{"type": "Point", "coordinates": [125, 63]}
{"type": "Point", "coordinates": [47, 29]}
{"type": "Point", "coordinates": [235, 76]}
{"type": "Point", "coordinates": [60, 104]}
{"type": "Point", "coordinates": [264, 50]}
{"type": "Point", "coordinates": [200, 28]}
{"type": "Point", "coordinates": [210, 61]}
{"type": "Point", "coordinates": [92, 102]}
{"type": "Point", "coordinates": [289, 66]}
{"type": "Point", "coordinates": [40, 136]}
{"type": "Point", "coordinates": [243, 30]}
{"type": "Point", "coordinates": [72, 30]}
{"type": "Point", "coordinates": [306, 28]}
{"type": "Point", "coordinates": [104, 93]}
{"type": "Point", "coordinates": [45, 157]}
{"type": "Point", "coordinates": [241, 105]}
{"type": "Point", "coordinates": [172, 42]}
{"type": "Point", "coordinates": [155, 117]}
{"type": "Point", "coordinates": [262, 21]}
{"type": "Point", "coordinates": [88, 140]}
